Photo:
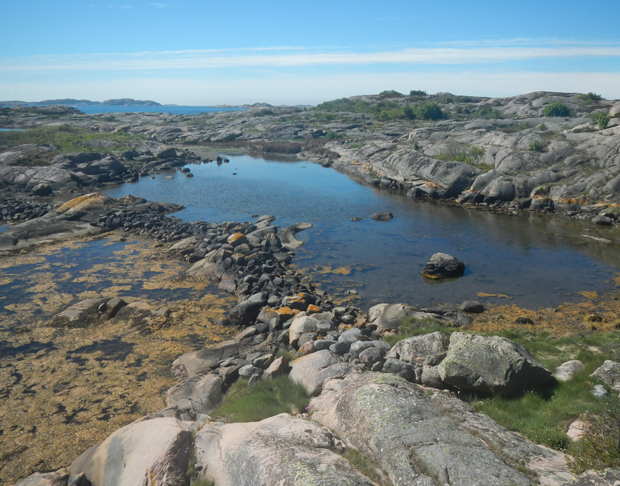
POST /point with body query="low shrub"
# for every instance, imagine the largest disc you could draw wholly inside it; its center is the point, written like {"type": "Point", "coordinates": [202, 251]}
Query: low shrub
{"type": "Point", "coordinates": [542, 127]}
{"type": "Point", "coordinates": [390, 93]}
{"type": "Point", "coordinates": [589, 97]}
{"type": "Point", "coordinates": [430, 111]}
{"type": "Point", "coordinates": [366, 464]}
{"type": "Point", "coordinates": [265, 399]}
{"type": "Point", "coordinates": [601, 118]}
{"type": "Point", "coordinates": [537, 146]}
{"type": "Point", "coordinates": [557, 109]}
{"type": "Point", "coordinates": [417, 92]}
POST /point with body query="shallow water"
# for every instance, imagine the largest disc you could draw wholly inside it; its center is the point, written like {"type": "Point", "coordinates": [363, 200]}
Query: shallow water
{"type": "Point", "coordinates": [532, 259]}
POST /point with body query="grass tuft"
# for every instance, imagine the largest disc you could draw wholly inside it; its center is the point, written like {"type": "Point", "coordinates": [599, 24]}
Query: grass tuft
{"type": "Point", "coordinates": [265, 399]}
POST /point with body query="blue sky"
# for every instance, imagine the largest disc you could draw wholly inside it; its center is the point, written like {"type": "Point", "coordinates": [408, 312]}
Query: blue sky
{"type": "Point", "coordinates": [301, 52]}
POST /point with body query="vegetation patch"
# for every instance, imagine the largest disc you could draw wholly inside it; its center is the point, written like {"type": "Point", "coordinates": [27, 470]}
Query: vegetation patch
{"type": "Point", "coordinates": [557, 109]}
{"type": "Point", "coordinates": [537, 146]}
{"type": "Point", "coordinates": [466, 155]}
{"type": "Point", "coordinates": [412, 326]}
{"type": "Point", "coordinates": [589, 97]}
{"type": "Point", "coordinates": [366, 464]}
{"type": "Point", "coordinates": [265, 399]}
{"type": "Point", "coordinates": [600, 118]}
{"type": "Point", "coordinates": [67, 138]}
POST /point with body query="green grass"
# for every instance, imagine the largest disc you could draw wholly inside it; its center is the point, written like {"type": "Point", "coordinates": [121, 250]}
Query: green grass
{"type": "Point", "coordinates": [589, 97]}
{"type": "Point", "coordinates": [67, 138]}
{"type": "Point", "coordinates": [537, 146]}
{"type": "Point", "coordinates": [412, 326]}
{"type": "Point", "coordinates": [366, 464]}
{"type": "Point", "coordinates": [601, 118]}
{"type": "Point", "coordinates": [466, 155]}
{"type": "Point", "coordinates": [265, 399]}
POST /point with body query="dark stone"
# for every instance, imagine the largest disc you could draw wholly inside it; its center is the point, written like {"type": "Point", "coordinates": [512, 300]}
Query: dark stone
{"type": "Point", "coordinates": [383, 216]}
{"type": "Point", "coordinates": [442, 265]}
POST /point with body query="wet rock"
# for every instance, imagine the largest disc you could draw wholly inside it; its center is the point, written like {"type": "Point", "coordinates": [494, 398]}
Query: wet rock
{"type": "Point", "coordinates": [287, 235]}
{"type": "Point", "coordinates": [81, 314]}
{"type": "Point", "coordinates": [382, 216]}
{"type": "Point", "coordinates": [442, 265]}
{"type": "Point", "coordinates": [472, 307]}
{"type": "Point", "coordinates": [491, 365]}
{"type": "Point", "coordinates": [278, 450]}
{"type": "Point", "coordinates": [152, 449]}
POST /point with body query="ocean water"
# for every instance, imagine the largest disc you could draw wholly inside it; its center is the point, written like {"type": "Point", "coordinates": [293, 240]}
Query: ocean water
{"type": "Point", "coordinates": [533, 259]}
{"type": "Point", "coordinates": [175, 110]}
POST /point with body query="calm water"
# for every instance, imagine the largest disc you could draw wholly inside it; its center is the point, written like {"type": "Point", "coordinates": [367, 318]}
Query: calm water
{"type": "Point", "coordinates": [175, 110]}
{"type": "Point", "coordinates": [536, 260]}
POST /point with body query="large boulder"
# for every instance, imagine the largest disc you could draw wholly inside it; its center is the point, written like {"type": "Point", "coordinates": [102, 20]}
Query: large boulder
{"type": "Point", "coordinates": [142, 453]}
{"type": "Point", "coordinates": [442, 265]}
{"type": "Point", "coordinates": [416, 349]}
{"type": "Point", "coordinates": [300, 326]}
{"type": "Point", "coordinates": [609, 373]}
{"type": "Point", "coordinates": [386, 416]}
{"type": "Point", "coordinates": [389, 316]}
{"type": "Point", "coordinates": [280, 450]}
{"type": "Point", "coordinates": [491, 365]}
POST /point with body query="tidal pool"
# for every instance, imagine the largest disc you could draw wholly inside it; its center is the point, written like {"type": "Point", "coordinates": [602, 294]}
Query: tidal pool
{"type": "Point", "coordinates": [532, 259]}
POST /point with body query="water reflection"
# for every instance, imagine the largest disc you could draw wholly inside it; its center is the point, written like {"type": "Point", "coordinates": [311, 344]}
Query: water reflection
{"type": "Point", "coordinates": [535, 259]}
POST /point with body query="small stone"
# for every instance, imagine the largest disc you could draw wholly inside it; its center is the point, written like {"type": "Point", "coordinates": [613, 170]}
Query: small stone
{"type": "Point", "coordinates": [599, 391]}
{"type": "Point", "coordinates": [384, 216]}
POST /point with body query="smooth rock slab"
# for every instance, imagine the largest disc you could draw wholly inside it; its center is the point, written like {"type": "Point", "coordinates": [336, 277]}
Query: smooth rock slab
{"type": "Point", "coordinates": [278, 451]}
{"type": "Point", "coordinates": [415, 444]}
{"type": "Point", "coordinates": [203, 391]}
{"type": "Point", "coordinates": [142, 453]}
{"type": "Point", "coordinates": [490, 365]}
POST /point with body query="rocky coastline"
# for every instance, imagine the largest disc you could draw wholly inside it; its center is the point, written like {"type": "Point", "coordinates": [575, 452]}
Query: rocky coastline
{"type": "Point", "coordinates": [401, 404]}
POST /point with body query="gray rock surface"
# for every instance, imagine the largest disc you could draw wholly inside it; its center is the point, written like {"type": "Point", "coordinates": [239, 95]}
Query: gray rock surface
{"type": "Point", "coordinates": [277, 451]}
{"type": "Point", "coordinates": [415, 443]}
{"type": "Point", "coordinates": [144, 452]}
{"type": "Point", "coordinates": [313, 370]}
{"type": "Point", "coordinates": [490, 365]}
{"type": "Point", "coordinates": [414, 350]}
{"type": "Point", "coordinates": [609, 373]}
{"type": "Point", "coordinates": [287, 235]}
{"type": "Point", "coordinates": [205, 392]}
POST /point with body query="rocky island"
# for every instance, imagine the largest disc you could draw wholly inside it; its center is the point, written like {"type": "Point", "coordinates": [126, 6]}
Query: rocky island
{"type": "Point", "coordinates": [254, 375]}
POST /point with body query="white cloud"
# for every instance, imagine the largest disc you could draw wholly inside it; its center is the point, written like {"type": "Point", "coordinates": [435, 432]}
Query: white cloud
{"type": "Point", "coordinates": [300, 57]}
{"type": "Point", "coordinates": [159, 5]}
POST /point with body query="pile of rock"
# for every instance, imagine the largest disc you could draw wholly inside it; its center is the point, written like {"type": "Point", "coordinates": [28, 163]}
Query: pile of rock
{"type": "Point", "coordinates": [17, 210]}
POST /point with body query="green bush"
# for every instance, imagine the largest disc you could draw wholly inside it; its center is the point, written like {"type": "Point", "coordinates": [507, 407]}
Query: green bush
{"type": "Point", "coordinates": [601, 118]}
{"type": "Point", "coordinates": [589, 97]}
{"type": "Point", "coordinates": [537, 146]}
{"type": "Point", "coordinates": [488, 113]}
{"type": "Point", "coordinates": [557, 109]}
{"type": "Point", "coordinates": [417, 92]}
{"type": "Point", "coordinates": [542, 127]}
{"type": "Point", "coordinates": [430, 111]}
{"type": "Point", "coordinates": [265, 399]}
{"type": "Point", "coordinates": [390, 93]}
{"type": "Point", "coordinates": [409, 112]}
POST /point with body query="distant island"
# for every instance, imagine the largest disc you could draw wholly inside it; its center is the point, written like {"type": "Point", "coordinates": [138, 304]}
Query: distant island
{"type": "Point", "coordinates": [74, 102]}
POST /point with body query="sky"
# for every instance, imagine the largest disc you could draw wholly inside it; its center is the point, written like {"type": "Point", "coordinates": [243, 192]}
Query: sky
{"type": "Point", "coordinates": [191, 52]}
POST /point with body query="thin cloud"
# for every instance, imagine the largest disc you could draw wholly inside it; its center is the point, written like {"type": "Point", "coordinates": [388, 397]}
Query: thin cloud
{"type": "Point", "coordinates": [159, 5]}
{"type": "Point", "coordinates": [299, 57]}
